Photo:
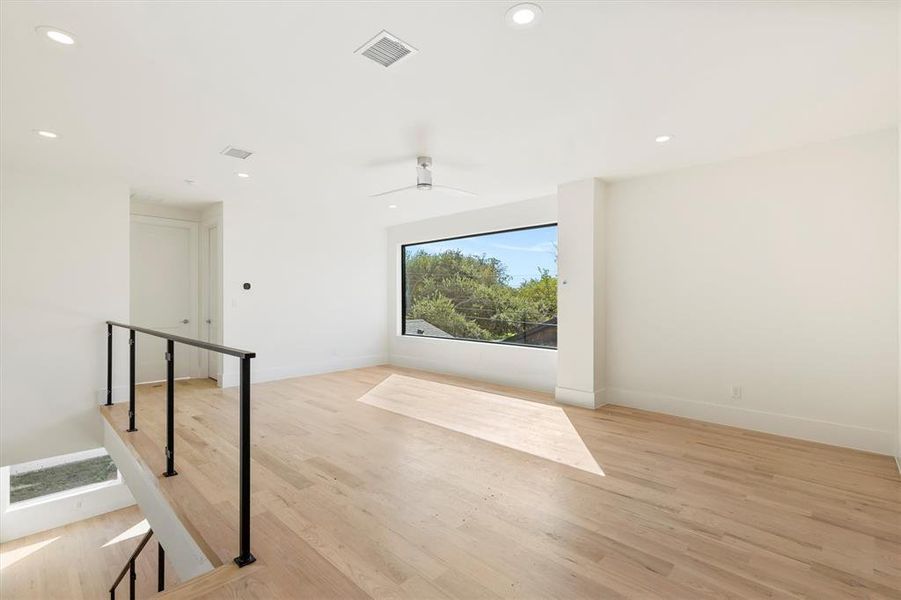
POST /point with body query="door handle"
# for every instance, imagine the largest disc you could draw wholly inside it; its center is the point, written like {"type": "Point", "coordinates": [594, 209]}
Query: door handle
{"type": "Point", "coordinates": [185, 321]}
{"type": "Point", "coordinates": [209, 321]}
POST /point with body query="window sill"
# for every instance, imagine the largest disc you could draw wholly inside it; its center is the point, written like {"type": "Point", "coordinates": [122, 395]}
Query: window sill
{"type": "Point", "coordinates": [86, 489]}
{"type": "Point", "coordinates": [485, 342]}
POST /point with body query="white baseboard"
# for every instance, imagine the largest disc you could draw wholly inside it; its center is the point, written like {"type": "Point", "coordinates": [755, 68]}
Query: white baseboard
{"type": "Point", "coordinates": [185, 378]}
{"type": "Point", "coordinates": [120, 394]}
{"type": "Point", "coordinates": [581, 398]}
{"type": "Point", "coordinates": [231, 379]}
{"type": "Point", "coordinates": [836, 434]}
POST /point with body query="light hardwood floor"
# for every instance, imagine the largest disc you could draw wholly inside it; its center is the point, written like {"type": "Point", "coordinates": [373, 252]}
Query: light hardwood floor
{"type": "Point", "coordinates": [79, 561]}
{"type": "Point", "coordinates": [353, 501]}
{"type": "Point", "coordinates": [533, 427]}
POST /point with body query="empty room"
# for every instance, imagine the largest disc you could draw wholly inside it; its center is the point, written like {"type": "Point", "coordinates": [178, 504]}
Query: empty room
{"type": "Point", "coordinates": [450, 300]}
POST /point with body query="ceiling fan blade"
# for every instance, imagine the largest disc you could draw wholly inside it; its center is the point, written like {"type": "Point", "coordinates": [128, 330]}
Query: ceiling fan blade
{"type": "Point", "coordinates": [388, 162]}
{"type": "Point", "coordinates": [454, 191]}
{"type": "Point", "coordinates": [389, 192]}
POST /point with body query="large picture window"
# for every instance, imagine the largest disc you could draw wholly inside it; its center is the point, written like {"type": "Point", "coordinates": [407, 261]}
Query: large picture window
{"type": "Point", "coordinates": [494, 287]}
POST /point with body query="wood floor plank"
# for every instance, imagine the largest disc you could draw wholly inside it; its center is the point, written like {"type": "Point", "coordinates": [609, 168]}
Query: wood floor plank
{"type": "Point", "coordinates": [80, 560]}
{"type": "Point", "coordinates": [531, 427]}
{"type": "Point", "coordinates": [351, 500]}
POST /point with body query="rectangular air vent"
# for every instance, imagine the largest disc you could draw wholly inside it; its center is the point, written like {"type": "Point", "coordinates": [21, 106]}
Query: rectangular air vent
{"type": "Point", "coordinates": [386, 49]}
{"type": "Point", "coordinates": [236, 152]}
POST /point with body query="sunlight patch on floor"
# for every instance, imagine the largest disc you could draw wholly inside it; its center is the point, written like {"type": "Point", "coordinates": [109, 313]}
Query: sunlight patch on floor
{"type": "Point", "coordinates": [132, 532]}
{"type": "Point", "coordinates": [11, 557]}
{"type": "Point", "coordinates": [532, 427]}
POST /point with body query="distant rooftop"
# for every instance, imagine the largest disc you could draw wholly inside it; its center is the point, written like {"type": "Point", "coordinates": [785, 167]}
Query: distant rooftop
{"type": "Point", "coordinates": [423, 327]}
{"type": "Point", "coordinates": [540, 334]}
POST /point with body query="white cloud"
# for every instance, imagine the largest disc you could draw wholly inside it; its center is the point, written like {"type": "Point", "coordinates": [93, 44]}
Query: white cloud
{"type": "Point", "coordinates": [547, 247]}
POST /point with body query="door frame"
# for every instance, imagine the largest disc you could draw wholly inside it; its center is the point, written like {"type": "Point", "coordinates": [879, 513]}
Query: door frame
{"type": "Point", "coordinates": [194, 367]}
{"type": "Point", "coordinates": [210, 308]}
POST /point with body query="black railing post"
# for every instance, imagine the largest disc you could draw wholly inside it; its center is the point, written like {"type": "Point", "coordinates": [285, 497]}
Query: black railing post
{"type": "Point", "coordinates": [244, 556]}
{"type": "Point", "coordinates": [131, 381]}
{"type": "Point", "coordinates": [132, 577]}
{"type": "Point", "coordinates": [160, 568]}
{"type": "Point", "coordinates": [170, 409]}
{"type": "Point", "coordinates": [109, 364]}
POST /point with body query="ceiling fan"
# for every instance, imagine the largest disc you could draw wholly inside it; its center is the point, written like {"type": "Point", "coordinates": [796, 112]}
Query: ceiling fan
{"type": "Point", "coordinates": [424, 181]}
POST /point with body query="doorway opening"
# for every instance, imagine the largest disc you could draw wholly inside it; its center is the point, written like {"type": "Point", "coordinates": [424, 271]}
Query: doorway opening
{"type": "Point", "coordinates": [211, 293]}
{"type": "Point", "coordinates": [176, 274]}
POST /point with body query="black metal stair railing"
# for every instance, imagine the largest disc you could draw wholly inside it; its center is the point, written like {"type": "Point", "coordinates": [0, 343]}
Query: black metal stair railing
{"type": "Point", "coordinates": [133, 573]}
{"type": "Point", "coordinates": [244, 555]}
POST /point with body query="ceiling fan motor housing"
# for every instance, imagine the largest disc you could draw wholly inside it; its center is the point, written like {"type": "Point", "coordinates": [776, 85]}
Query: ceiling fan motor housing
{"type": "Point", "coordinates": [424, 181]}
{"type": "Point", "coordinates": [423, 172]}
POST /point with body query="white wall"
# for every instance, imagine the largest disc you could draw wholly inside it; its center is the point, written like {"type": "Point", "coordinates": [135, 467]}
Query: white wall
{"type": "Point", "coordinates": [317, 297]}
{"type": "Point", "coordinates": [63, 272]}
{"type": "Point", "coordinates": [167, 211]}
{"type": "Point", "coordinates": [534, 368]}
{"type": "Point", "coordinates": [56, 510]}
{"type": "Point", "coordinates": [778, 273]}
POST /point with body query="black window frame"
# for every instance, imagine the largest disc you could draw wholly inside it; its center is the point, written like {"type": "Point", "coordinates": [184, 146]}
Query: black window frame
{"type": "Point", "coordinates": [403, 287]}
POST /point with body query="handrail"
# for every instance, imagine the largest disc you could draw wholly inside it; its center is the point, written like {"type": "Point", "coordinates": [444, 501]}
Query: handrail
{"type": "Point", "coordinates": [187, 341]}
{"type": "Point", "coordinates": [245, 557]}
{"type": "Point", "coordinates": [130, 566]}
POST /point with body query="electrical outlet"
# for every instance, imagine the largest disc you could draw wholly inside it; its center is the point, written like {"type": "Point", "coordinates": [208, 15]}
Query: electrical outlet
{"type": "Point", "coordinates": [736, 392]}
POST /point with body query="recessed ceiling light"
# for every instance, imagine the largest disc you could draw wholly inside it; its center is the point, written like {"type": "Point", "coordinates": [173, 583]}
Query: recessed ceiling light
{"type": "Point", "coordinates": [521, 16]}
{"type": "Point", "coordinates": [47, 134]}
{"type": "Point", "coordinates": [392, 206]}
{"type": "Point", "coordinates": [57, 35]}
{"type": "Point", "coordinates": [662, 139]}
{"type": "Point", "coordinates": [242, 175]}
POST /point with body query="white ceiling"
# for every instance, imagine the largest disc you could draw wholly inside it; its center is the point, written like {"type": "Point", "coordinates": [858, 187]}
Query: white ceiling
{"type": "Point", "coordinates": [153, 91]}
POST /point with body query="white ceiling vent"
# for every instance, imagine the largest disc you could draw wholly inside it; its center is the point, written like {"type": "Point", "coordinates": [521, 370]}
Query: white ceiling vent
{"type": "Point", "coordinates": [386, 49]}
{"type": "Point", "coordinates": [236, 152]}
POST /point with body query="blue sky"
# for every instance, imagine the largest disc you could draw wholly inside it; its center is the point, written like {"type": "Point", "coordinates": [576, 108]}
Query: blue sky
{"type": "Point", "coordinates": [524, 251]}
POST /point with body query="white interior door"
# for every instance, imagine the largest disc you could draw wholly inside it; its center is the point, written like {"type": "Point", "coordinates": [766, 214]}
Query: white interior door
{"type": "Point", "coordinates": [213, 319]}
{"type": "Point", "coordinates": [163, 293]}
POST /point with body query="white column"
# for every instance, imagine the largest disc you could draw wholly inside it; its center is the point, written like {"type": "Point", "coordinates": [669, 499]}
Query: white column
{"type": "Point", "coordinates": [581, 293]}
